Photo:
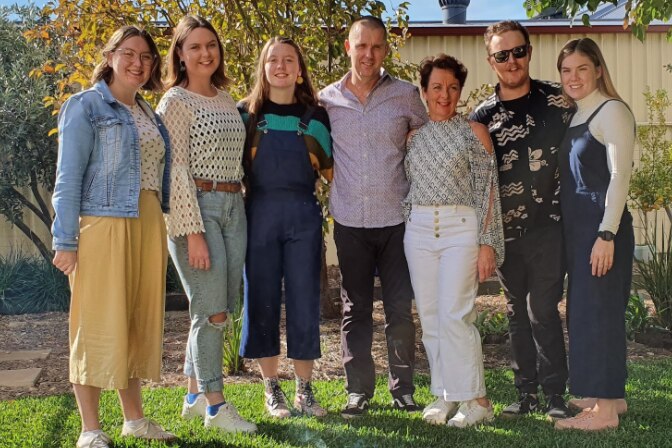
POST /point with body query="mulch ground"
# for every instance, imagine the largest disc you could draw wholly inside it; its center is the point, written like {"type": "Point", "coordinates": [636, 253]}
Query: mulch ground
{"type": "Point", "coordinates": [50, 331]}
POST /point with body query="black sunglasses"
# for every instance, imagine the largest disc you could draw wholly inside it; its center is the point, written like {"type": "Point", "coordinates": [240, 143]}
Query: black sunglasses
{"type": "Point", "coordinates": [517, 52]}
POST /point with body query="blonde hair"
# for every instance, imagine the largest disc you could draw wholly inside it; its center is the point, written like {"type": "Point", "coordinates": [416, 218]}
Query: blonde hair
{"type": "Point", "coordinates": [588, 48]}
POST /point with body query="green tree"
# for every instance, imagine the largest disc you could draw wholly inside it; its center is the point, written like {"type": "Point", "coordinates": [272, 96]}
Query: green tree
{"type": "Point", "coordinates": [27, 151]}
{"type": "Point", "coordinates": [638, 13]}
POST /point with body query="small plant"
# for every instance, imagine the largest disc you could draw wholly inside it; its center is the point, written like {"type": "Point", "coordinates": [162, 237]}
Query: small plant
{"type": "Point", "coordinates": [31, 285]}
{"type": "Point", "coordinates": [651, 193]}
{"type": "Point", "coordinates": [654, 273]}
{"type": "Point", "coordinates": [233, 335]}
{"type": "Point", "coordinates": [637, 317]}
{"type": "Point", "coordinates": [493, 327]}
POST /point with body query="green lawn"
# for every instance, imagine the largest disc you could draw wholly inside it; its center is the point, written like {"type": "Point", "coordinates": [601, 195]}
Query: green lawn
{"type": "Point", "coordinates": [54, 422]}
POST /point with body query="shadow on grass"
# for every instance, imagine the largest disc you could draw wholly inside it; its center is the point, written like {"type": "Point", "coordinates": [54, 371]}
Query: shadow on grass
{"type": "Point", "coordinates": [64, 406]}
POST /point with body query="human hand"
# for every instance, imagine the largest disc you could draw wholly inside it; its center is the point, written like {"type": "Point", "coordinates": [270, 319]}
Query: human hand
{"type": "Point", "coordinates": [65, 261]}
{"type": "Point", "coordinates": [197, 247]}
{"type": "Point", "coordinates": [602, 257]}
{"type": "Point", "coordinates": [486, 262]}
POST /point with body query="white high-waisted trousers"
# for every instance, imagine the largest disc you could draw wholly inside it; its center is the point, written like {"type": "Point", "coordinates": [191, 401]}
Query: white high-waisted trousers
{"type": "Point", "coordinates": [441, 245]}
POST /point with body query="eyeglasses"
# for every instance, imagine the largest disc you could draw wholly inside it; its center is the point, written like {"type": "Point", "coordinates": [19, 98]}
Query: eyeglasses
{"type": "Point", "coordinates": [503, 55]}
{"type": "Point", "coordinates": [130, 55]}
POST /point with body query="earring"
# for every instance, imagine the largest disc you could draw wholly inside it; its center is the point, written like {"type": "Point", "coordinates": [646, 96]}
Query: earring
{"type": "Point", "coordinates": [299, 80]}
{"type": "Point", "coordinates": [182, 66]}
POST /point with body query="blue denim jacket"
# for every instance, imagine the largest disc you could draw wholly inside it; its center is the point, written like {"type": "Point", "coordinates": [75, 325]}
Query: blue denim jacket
{"type": "Point", "coordinates": [98, 171]}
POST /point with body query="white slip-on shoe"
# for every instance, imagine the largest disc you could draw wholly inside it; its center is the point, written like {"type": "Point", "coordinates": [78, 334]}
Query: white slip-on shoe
{"type": "Point", "coordinates": [194, 410]}
{"type": "Point", "coordinates": [228, 420]}
{"type": "Point", "coordinates": [93, 439]}
{"type": "Point", "coordinates": [436, 413]}
{"type": "Point", "coordinates": [146, 429]}
{"type": "Point", "coordinates": [471, 413]}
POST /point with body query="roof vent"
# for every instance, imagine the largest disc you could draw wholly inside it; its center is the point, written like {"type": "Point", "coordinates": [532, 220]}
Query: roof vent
{"type": "Point", "coordinates": [454, 11]}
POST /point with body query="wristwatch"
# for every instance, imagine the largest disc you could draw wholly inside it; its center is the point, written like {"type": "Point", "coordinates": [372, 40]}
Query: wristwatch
{"type": "Point", "coordinates": [606, 235]}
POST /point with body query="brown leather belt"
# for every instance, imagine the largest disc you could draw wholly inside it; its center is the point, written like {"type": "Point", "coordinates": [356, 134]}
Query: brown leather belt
{"type": "Point", "coordinates": [213, 185]}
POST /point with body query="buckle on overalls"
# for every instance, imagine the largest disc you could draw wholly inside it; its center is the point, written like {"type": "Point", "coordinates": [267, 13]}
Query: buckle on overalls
{"type": "Point", "coordinates": [261, 126]}
{"type": "Point", "coordinates": [303, 128]}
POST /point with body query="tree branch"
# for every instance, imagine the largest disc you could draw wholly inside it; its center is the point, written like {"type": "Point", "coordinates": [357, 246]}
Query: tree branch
{"type": "Point", "coordinates": [30, 206]}
{"type": "Point", "coordinates": [32, 236]}
{"type": "Point", "coordinates": [34, 187]}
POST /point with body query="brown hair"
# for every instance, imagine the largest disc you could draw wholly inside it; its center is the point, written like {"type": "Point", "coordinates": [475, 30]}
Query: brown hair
{"type": "Point", "coordinates": [444, 62]}
{"type": "Point", "coordinates": [176, 76]}
{"type": "Point", "coordinates": [103, 71]}
{"type": "Point", "coordinates": [587, 47]}
{"type": "Point", "coordinates": [502, 27]}
{"type": "Point", "coordinates": [304, 92]}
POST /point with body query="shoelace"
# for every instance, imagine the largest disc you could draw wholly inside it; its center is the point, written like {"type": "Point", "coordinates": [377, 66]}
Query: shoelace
{"type": "Point", "coordinates": [308, 394]}
{"type": "Point", "coordinates": [353, 400]}
{"type": "Point", "coordinates": [277, 397]}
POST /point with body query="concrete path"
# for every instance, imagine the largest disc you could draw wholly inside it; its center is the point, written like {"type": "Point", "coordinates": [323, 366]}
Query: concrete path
{"type": "Point", "coordinates": [21, 377]}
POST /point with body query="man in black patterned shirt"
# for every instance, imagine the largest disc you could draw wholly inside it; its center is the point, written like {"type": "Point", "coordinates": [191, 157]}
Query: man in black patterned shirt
{"type": "Point", "coordinates": [527, 120]}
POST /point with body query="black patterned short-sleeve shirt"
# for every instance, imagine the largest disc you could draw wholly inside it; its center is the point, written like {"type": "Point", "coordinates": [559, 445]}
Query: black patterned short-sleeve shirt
{"type": "Point", "coordinates": [527, 133]}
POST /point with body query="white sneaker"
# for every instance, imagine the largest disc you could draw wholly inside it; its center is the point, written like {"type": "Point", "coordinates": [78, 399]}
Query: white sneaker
{"type": "Point", "coordinates": [197, 409]}
{"type": "Point", "coordinates": [147, 429]}
{"type": "Point", "coordinates": [93, 439]}
{"type": "Point", "coordinates": [437, 412]}
{"type": "Point", "coordinates": [471, 413]}
{"type": "Point", "coordinates": [227, 419]}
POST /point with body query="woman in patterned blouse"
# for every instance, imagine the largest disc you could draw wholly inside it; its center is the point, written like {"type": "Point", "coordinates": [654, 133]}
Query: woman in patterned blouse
{"type": "Point", "coordinates": [206, 224]}
{"type": "Point", "coordinates": [453, 240]}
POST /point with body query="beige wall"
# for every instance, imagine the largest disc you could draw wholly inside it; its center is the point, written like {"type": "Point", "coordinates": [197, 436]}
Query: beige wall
{"type": "Point", "coordinates": [633, 65]}
{"type": "Point", "coordinates": [12, 239]}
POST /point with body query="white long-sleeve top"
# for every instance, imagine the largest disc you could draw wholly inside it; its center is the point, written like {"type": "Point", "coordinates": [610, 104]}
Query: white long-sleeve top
{"type": "Point", "coordinates": [614, 127]}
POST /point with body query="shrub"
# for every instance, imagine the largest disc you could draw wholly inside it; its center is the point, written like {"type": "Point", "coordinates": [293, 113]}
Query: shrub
{"type": "Point", "coordinates": [637, 317]}
{"type": "Point", "coordinates": [654, 272]}
{"type": "Point", "coordinates": [492, 327]}
{"type": "Point", "coordinates": [31, 285]}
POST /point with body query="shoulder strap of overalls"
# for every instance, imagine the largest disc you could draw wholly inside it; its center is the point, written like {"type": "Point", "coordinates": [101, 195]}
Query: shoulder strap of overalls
{"type": "Point", "coordinates": [599, 109]}
{"type": "Point", "coordinates": [304, 121]}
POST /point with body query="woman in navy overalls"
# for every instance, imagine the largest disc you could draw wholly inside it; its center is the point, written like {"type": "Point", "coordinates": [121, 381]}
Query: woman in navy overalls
{"type": "Point", "coordinates": [288, 144]}
{"type": "Point", "coordinates": [595, 166]}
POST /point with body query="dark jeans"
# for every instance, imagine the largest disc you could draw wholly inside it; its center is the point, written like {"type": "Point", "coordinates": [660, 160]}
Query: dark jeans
{"type": "Point", "coordinates": [532, 277]}
{"type": "Point", "coordinates": [360, 251]}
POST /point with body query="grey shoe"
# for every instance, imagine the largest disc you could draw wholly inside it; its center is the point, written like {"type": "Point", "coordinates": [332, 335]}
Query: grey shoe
{"type": "Point", "coordinates": [146, 429]}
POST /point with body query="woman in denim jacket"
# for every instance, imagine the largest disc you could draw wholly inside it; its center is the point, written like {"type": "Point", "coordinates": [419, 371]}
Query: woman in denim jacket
{"type": "Point", "coordinates": [206, 224]}
{"type": "Point", "coordinates": [111, 186]}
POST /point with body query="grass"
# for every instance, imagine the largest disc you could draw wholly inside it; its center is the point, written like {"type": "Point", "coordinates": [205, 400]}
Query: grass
{"type": "Point", "coordinates": [54, 422]}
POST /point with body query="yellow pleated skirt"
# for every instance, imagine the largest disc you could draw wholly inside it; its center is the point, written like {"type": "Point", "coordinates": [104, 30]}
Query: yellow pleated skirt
{"type": "Point", "coordinates": [118, 295]}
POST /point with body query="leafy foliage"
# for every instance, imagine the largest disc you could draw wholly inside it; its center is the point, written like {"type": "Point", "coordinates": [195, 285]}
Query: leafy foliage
{"type": "Point", "coordinates": [638, 13]}
{"type": "Point", "coordinates": [651, 183]}
{"type": "Point", "coordinates": [233, 337]}
{"type": "Point", "coordinates": [319, 27]}
{"type": "Point", "coordinates": [493, 327]}
{"type": "Point", "coordinates": [27, 153]}
{"type": "Point", "coordinates": [654, 272]}
{"type": "Point", "coordinates": [637, 317]}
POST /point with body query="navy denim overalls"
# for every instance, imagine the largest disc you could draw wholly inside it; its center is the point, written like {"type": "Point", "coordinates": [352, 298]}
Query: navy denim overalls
{"type": "Point", "coordinates": [284, 241]}
{"type": "Point", "coordinates": [596, 305]}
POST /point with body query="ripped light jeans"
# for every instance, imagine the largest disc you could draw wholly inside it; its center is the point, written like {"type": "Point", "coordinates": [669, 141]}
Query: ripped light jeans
{"type": "Point", "coordinates": [216, 290]}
